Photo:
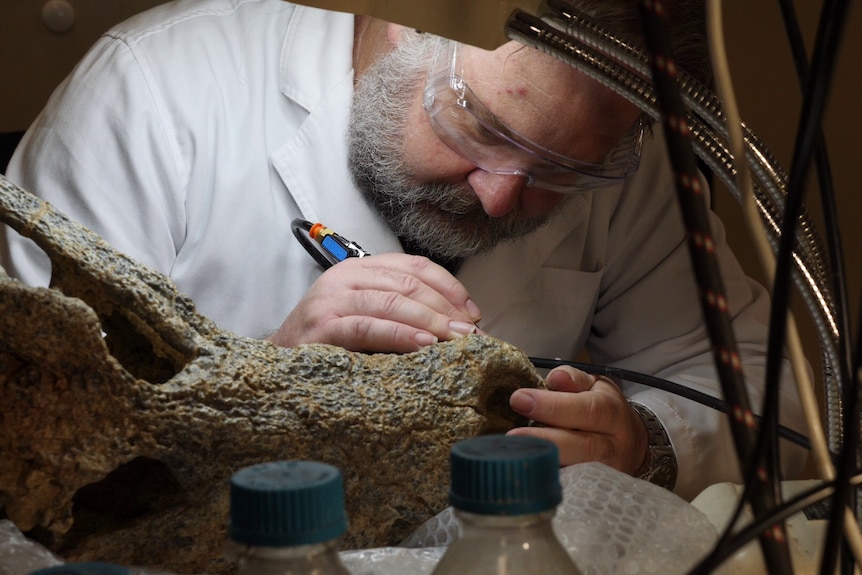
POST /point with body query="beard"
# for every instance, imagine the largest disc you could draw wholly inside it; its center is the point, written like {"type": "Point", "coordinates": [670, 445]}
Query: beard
{"type": "Point", "coordinates": [445, 220]}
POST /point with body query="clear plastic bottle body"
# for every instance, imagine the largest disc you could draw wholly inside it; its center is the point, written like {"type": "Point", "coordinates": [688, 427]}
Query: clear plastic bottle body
{"type": "Point", "coordinates": [312, 559]}
{"type": "Point", "coordinates": [506, 545]}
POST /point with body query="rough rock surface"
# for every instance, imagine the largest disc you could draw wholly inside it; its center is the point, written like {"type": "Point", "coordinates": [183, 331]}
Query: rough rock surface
{"type": "Point", "coordinates": [119, 447]}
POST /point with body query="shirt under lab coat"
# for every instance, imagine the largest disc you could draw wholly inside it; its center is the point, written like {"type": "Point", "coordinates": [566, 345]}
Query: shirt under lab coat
{"type": "Point", "coordinates": [190, 136]}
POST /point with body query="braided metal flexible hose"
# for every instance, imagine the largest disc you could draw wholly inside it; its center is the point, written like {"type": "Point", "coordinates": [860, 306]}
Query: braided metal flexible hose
{"type": "Point", "coordinates": [568, 36]}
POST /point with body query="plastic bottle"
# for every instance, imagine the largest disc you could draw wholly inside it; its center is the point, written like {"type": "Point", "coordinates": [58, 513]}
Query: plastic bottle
{"type": "Point", "coordinates": [286, 518]}
{"type": "Point", "coordinates": [504, 492]}
{"type": "Point", "coordinates": [89, 568]}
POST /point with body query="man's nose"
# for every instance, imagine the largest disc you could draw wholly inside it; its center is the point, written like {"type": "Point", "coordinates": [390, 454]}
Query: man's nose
{"type": "Point", "coordinates": [499, 193]}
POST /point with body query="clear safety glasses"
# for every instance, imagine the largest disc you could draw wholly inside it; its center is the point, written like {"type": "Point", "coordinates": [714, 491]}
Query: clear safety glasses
{"type": "Point", "coordinates": [464, 124]}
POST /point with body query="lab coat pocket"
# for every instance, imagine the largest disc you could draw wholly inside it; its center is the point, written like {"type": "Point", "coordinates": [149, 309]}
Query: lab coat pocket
{"type": "Point", "coordinates": [550, 315]}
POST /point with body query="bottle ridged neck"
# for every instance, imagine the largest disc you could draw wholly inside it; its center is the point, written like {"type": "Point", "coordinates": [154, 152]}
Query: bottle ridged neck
{"type": "Point", "coordinates": [483, 521]}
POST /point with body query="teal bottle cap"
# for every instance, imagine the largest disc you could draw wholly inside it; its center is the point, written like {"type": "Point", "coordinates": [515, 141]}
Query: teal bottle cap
{"type": "Point", "coordinates": [505, 475]}
{"type": "Point", "coordinates": [286, 503]}
{"type": "Point", "coordinates": [89, 568]}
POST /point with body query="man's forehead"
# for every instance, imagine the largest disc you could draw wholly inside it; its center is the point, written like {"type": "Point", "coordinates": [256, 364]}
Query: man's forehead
{"type": "Point", "coordinates": [515, 64]}
{"type": "Point", "coordinates": [536, 93]}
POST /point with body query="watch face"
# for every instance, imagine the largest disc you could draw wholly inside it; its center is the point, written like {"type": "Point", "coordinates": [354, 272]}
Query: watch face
{"type": "Point", "coordinates": [664, 476]}
{"type": "Point", "coordinates": [663, 472]}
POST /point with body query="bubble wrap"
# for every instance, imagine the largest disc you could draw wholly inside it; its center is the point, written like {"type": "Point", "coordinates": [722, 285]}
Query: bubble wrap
{"type": "Point", "coordinates": [392, 560]}
{"type": "Point", "coordinates": [610, 523]}
{"type": "Point", "coordinates": [19, 555]}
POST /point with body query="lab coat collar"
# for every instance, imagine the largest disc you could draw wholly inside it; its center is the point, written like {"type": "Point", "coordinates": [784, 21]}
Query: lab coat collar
{"type": "Point", "coordinates": [317, 73]}
{"type": "Point", "coordinates": [317, 52]}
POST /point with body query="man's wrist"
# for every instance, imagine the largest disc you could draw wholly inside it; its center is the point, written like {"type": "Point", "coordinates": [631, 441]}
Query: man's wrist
{"type": "Point", "coordinates": [659, 465]}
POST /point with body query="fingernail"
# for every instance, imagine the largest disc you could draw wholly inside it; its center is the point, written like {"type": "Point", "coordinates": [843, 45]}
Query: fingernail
{"type": "Point", "coordinates": [559, 378]}
{"type": "Point", "coordinates": [473, 310]}
{"type": "Point", "coordinates": [424, 339]}
{"type": "Point", "coordinates": [522, 402]}
{"type": "Point", "coordinates": [462, 327]}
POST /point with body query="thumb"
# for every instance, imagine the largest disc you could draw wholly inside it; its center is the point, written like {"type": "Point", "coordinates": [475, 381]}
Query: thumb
{"type": "Point", "coordinates": [567, 378]}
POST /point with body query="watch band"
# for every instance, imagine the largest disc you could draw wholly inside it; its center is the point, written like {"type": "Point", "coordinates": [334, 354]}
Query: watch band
{"type": "Point", "coordinates": [662, 468]}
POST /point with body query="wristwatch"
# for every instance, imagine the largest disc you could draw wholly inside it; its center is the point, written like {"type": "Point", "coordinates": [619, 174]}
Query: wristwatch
{"type": "Point", "coordinates": [661, 468]}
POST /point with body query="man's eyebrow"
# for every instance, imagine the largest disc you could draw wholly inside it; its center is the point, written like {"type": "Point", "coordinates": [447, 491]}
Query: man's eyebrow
{"type": "Point", "coordinates": [489, 118]}
{"type": "Point", "coordinates": [501, 126]}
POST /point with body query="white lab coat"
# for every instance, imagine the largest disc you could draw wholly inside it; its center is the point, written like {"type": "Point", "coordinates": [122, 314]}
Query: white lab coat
{"type": "Point", "coordinates": [190, 136]}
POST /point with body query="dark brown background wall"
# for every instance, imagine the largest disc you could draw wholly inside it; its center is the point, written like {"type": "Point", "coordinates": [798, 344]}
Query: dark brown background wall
{"type": "Point", "coordinates": [770, 101]}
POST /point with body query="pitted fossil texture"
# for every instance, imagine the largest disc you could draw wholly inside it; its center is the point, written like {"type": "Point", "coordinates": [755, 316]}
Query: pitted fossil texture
{"type": "Point", "coordinates": [119, 447]}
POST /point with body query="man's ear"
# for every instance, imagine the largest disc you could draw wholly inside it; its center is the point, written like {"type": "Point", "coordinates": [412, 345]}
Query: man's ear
{"type": "Point", "coordinates": [395, 31]}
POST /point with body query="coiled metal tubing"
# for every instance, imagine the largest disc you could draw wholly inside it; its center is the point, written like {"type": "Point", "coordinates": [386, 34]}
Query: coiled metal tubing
{"type": "Point", "coordinates": [569, 36]}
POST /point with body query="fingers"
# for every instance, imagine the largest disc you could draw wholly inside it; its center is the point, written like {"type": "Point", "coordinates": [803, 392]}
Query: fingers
{"type": "Point", "coordinates": [587, 417]}
{"type": "Point", "coordinates": [595, 412]}
{"type": "Point", "coordinates": [619, 438]}
{"type": "Point", "coordinates": [567, 378]}
{"type": "Point", "coordinates": [363, 333]}
{"type": "Point", "coordinates": [388, 303]}
{"type": "Point", "coordinates": [381, 299]}
{"type": "Point", "coordinates": [416, 278]}
{"type": "Point", "coordinates": [599, 411]}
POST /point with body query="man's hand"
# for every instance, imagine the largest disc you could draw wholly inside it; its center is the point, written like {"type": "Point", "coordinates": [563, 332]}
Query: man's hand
{"type": "Point", "coordinates": [588, 418]}
{"type": "Point", "coordinates": [388, 303]}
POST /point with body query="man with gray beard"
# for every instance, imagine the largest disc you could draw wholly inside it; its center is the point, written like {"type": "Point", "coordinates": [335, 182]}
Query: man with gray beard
{"type": "Point", "coordinates": [445, 219]}
{"type": "Point", "coordinates": [501, 192]}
